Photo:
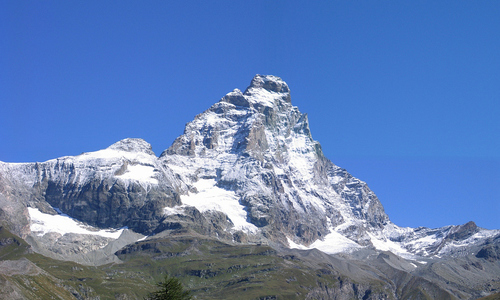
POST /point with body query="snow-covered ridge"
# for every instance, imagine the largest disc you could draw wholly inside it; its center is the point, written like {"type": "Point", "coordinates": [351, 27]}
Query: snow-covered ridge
{"type": "Point", "coordinates": [409, 243]}
{"type": "Point", "coordinates": [133, 145]}
{"type": "Point", "coordinates": [115, 162]}
{"type": "Point", "coordinates": [264, 91]}
{"type": "Point", "coordinates": [123, 164]}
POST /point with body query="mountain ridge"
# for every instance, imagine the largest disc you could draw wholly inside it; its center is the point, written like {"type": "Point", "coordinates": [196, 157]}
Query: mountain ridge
{"type": "Point", "coordinates": [254, 148]}
{"type": "Point", "coordinates": [245, 171]}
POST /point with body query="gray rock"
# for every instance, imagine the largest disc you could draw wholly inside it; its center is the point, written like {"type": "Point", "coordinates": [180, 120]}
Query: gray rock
{"type": "Point", "coordinates": [489, 252]}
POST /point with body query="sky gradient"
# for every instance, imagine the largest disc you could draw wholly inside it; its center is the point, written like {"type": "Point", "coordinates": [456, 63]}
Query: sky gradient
{"type": "Point", "coordinates": [404, 95]}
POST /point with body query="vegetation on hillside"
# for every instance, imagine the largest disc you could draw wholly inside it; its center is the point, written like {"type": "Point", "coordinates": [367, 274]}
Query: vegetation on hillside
{"type": "Point", "coordinates": [169, 289]}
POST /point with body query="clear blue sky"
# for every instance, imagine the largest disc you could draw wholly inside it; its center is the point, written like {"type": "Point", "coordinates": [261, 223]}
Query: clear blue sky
{"type": "Point", "coordinates": [403, 94]}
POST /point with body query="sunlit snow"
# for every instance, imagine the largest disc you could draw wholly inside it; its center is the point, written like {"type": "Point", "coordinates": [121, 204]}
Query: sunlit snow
{"type": "Point", "coordinates": [457, 245]}
{"type": "Point", "coordinates": [113, 153]}
{"type": "Point", "coordinates": [333, 243]}
{"type": "Point", "coordinates": [42, 223]}
{"type": "Point", "coordinates": [212, 198]}
{"type": "Point", "coordinates": [386, 244]}
{"type": "Point", "coordinates": [176, 210]}
{"type": "Point", "coordinates": [262, 97]}
{"type": "Point", "coordinates": [140, 173]}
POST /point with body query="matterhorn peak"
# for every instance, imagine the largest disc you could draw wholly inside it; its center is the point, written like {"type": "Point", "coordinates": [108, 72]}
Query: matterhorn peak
{"type": "Point", "coordinates": [245, 122]}
{"type": "Point", "coordinates": [133, 145]}
{"type": "Point", "coordinates": [264, 91]}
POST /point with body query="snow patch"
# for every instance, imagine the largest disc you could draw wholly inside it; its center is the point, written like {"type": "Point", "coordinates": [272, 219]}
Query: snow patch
{"type": "Point", "coordinates": [42, 223]}
{"type": "Point", "coordinates": [293, 245]}
{"type": "Point", "coordinates": [333, 242]}
{"type": "Point", "coordinates": [109, 154]}
{"type": "Point", "coordinates": [212, 198]}
{"type": "Point", "coordinates": [176, 210]}
{"type": "Point", "coordinates": [262, 97]}
{"type": "Point", "coordinates": [385, 244]}
{"type": "Point", "coordinates": [140, 173]}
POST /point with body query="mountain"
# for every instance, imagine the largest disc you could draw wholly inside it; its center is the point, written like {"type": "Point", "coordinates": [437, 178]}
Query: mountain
{"type": "Point", "coordinates": [244, 172]}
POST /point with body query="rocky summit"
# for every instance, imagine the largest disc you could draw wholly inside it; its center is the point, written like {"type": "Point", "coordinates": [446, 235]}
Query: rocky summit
{"type": "Point", "coordinates": [245, 173]}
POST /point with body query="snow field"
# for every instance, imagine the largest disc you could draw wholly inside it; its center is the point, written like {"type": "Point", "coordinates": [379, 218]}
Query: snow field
{"type": "Point", "coordinates": [333, 243]}
{"type": "Point", "coordinates": [140, 173]}
{"type": "Point", "coordinates": [42, 223]}
{"type": "Point", "coordinates": [212, 198]}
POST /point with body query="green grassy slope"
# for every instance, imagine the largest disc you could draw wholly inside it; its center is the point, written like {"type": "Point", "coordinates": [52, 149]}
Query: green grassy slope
{"type": "Point", "coordinates": [209, 268]}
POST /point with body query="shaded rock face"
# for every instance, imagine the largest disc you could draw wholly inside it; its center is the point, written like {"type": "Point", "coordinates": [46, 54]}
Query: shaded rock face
{"type": "Point", "coordinates": [115, 206]}
{"type": "Point", "coordinates": [14, 216]}
{"type": "Point", "coordinates": [491, 250]}
{"type": "Point", "coordinates": [236, 98]}
{"type": "Point", "coordinates": [463, 231]}
{"type": "Point", "coordinates": [13, 196]}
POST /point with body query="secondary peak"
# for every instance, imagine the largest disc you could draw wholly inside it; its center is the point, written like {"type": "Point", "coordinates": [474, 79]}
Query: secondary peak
{"type": "Point", "coordinates": [133, 145]}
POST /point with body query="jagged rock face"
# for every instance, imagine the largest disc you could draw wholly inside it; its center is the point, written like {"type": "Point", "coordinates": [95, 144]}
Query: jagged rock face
{"type": "Point", "coordinates": [259, 146]}
{"type": "Point", "coordinates": [491, 250]}
{"type": "Point", "coordinates": [112, 205]}
{"type": "Point", "coordinates": [13, 212]}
